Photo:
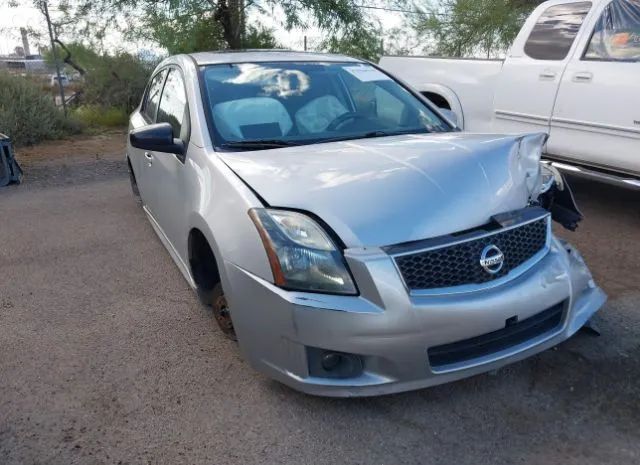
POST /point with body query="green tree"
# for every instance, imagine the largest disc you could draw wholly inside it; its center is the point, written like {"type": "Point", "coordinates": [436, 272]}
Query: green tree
{"type": "Point", "coordinates": [111, 79]}
{"type": "Point", "coordinates": [190, 25]}
{"type": "Point", "coordinates": [470, 27]}
{"type": "Point", "coordinates": [183, 32]}
{"type": "Point", "coordinates": [258, 36]}
{"type": "Point", "coordinates": [363, 43]}
{"type": "Point", "coordinates": [168, 31]}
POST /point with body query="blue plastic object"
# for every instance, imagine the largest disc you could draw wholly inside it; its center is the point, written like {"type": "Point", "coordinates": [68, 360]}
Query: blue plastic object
{"type": "Point", "coordinates": [10, 171]}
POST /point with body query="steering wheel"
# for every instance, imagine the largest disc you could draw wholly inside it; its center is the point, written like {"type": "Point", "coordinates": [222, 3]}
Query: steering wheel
{"type": "Point", "coordinates": [343, 118]}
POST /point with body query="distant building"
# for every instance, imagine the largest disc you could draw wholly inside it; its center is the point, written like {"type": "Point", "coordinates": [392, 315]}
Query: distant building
{"type": "Point", "coordinates": [22, 61]}
{"type": "Point", "coordinates": [28, 63]}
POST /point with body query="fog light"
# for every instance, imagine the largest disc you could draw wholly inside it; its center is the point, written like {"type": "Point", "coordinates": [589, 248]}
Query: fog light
{"type": "Point", "coordinates": [330, 364]}
{"type": "Point", "coordinates": [331, 360]}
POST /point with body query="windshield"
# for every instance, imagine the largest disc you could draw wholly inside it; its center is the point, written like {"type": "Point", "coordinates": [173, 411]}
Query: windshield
{"type": "Point", "coordinates": [266, 105]}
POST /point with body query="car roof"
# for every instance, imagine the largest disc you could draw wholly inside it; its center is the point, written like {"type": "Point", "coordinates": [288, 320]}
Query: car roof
{"type": "Point", "coordinates": [253, 56]}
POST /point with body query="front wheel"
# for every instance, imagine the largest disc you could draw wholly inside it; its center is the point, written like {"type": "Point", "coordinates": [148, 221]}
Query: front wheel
{"type": "Point", "coordinates": [221, 312]}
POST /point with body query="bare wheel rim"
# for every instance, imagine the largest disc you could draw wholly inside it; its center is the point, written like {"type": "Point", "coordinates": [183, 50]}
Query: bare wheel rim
{"type": "Point", "coordinates": [222, 316]}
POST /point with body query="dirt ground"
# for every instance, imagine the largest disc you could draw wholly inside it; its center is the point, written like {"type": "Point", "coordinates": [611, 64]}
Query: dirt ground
{"type": "Point", "coordinates": [108, 144]}
{"type": "Point", "coordinates": [107, 358]}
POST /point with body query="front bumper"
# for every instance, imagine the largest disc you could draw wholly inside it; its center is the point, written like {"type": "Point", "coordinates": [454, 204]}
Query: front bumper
{"type": "Point", "coordinates": [392, 330]}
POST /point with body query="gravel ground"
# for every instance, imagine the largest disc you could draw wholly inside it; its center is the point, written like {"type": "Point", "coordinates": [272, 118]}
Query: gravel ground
{"type": "Point", "coordinates": [107, 358]}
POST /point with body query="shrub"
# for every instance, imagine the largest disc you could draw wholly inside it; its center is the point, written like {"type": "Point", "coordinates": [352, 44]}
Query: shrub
{"type": "Point", "coordinates": [113, 79]}
{"type": "Point", "coordinates": [116, 80]}
{"type": "Point", "coordinates": [28, 115]}
{"type": "Point", "coordinates": [111, 85]}
{"type": "Point", "coordinates": [99, 116]}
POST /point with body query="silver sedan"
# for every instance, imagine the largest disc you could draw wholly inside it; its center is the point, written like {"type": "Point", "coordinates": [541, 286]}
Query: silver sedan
{"type": "Point", "coordinates": [344, 231]}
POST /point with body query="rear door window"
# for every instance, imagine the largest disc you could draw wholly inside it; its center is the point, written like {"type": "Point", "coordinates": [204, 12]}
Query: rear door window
{"type": "Point", "coordinates": [616, 36]}
{"type": "Point", "coordinates": [150, 106]}
{"type": "Point", "coordinates": [554, 33]}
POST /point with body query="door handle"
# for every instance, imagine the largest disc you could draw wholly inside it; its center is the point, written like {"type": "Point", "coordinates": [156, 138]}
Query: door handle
{"type": "Point", "coordinates": [583, 77]}
{"type": "Point", "coordinates": [548, 75]}
{"type": "Point", "coordinates": [148, 155]}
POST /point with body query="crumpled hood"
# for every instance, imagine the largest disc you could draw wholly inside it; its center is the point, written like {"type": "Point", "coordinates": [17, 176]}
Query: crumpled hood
{"type": "Point", "coordinates": [384, 191]}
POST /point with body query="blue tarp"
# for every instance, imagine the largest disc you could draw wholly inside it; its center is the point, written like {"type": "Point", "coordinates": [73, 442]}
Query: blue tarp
{"type": "Point", "coordinates": [10, 171]}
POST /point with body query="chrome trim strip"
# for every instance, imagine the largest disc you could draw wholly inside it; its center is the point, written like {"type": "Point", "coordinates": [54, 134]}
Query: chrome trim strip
{"type": "Point", "coordinates": [595, 127]}
{"type": "Point", "coordinates": [468, 288]}
{"type": "Point", "coordinates": [522, 117]}
{"type": "Point", "coordinates": [620, 172]}
{"type": "Point", "coordinates": [471, 238]}
{"type": "Point", "coordinates": [579, 171]}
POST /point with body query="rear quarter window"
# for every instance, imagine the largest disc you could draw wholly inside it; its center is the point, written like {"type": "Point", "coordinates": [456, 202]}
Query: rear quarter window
{"type": "Point", "coordinates": [616, 36]}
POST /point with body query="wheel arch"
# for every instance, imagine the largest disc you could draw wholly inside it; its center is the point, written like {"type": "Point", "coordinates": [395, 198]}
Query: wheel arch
{"type": "Point", "coordinates": [203, 258]}
{"type": "Point", "coordinates": [438, 94]}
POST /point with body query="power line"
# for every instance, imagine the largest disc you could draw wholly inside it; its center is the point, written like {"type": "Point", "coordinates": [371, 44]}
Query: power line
{"type": "Point", "coordinates": [399, 10]}
{"type": "Point", "coordinates": [383, 8]}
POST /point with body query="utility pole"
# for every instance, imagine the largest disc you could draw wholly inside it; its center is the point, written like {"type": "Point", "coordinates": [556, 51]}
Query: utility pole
{"type": "Point", "coordinates": [45, 10]}
{"type": "Point", "coordinates": [242, 25]}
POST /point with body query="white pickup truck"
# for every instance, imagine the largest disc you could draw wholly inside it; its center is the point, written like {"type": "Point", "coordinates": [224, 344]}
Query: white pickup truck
{"type": "Point", "coordinates": [573, 72]}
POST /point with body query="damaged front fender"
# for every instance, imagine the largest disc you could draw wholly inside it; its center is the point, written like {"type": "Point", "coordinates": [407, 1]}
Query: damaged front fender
{"type": "Point", "coordinates": [547, 186]}
{"type": "Point", "coordinates": [557, 197]}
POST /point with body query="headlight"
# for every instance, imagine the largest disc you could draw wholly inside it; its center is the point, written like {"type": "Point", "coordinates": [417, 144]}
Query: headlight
{"type": "Point", "coordinates": [302, 256]}
{"type": "Point", "coordinates": [549, 176]}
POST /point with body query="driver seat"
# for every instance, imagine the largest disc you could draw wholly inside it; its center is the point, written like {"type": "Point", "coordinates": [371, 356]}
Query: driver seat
{"type": "Point", "coordinates": [315, 116]}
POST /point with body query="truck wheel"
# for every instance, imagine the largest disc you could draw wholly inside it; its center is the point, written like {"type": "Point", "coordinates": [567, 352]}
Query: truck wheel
{"type": "Point", "coordinates": [221, 312]}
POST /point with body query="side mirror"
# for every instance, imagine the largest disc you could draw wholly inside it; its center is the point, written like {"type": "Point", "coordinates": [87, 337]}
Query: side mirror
{"type": "Point", "coordinates": [156, 138]}
{"type": "Point", "coordinates": [450, 115]}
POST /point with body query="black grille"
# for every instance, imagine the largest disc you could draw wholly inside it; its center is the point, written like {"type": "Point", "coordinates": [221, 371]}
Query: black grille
{"type": "Point", "coordinates": [487, 344]}
{"type": "Point", "coordinates": [459, 264]}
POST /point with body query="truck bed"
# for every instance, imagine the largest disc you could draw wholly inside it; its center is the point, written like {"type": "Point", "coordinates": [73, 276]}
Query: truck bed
{"type": "Point", "coordinates": [470, 80]}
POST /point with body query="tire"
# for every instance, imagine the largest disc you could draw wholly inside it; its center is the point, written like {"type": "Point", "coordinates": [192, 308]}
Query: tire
{"type": "Point", "coordinates": [221, 312]}
{"type": "Point", "coordinates": [134, 183]}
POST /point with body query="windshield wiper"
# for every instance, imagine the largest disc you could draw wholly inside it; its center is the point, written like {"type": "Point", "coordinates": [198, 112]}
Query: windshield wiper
{"type": "Point", "coordinates": [258, 144]}
{"type": "Point", "coordinates": [397, 133]}
{"type": "Point", "coordinates": [262, 144]}
{"type": "Point", "coordinates": [374, 134]}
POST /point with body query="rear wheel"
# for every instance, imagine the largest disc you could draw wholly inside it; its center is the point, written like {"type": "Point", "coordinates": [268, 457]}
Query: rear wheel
{"type": "Point", "coordinates": [134, 183]}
